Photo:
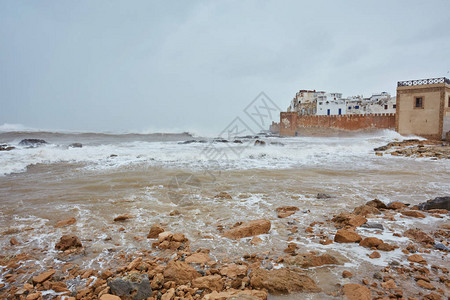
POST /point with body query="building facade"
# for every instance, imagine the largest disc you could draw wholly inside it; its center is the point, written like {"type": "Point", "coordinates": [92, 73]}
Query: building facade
{"type": "Point", "coordinates": [423, 108]}
{"type": "Point", "coordinates": [320, 103]}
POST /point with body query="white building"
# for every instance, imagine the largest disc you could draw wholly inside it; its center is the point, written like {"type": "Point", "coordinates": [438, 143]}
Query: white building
{"type": "Point", "coordinates": [307, 102]}
{"type": "Point", "coordinates": [330, 104]}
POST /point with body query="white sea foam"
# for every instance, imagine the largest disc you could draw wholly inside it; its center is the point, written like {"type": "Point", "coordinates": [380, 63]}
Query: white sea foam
{"type": "Point", "coordinates": [296, 152]}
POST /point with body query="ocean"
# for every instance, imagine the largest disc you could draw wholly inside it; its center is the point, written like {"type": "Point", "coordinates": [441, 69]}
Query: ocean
{"type": "Point", "coordinates": [172, 179]}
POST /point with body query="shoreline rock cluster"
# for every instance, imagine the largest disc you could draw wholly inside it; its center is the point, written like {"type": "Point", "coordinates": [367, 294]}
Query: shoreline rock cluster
{"type": "Point", "coordinates": [416, 148]}
{"type": "Point", "coordinates": [169, 269]}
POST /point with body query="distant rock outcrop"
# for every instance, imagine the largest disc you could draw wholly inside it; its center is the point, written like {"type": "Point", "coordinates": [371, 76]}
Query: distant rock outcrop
{"type": "Point", "coordinates": [5, 147]}
{"type": "Point", "coordinates": [32, 142]}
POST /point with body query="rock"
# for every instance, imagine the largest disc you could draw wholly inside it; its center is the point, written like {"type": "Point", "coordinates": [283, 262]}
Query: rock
{"type": "Point", "coordinates": [32, 142]}
{"type": "Point", "coordinates": [211, 282]}
{"type": "Point", "coordinates": [425, 285]}
{"type": "Point", "coordinates": [43, 276]}
{"type": "Point", "coordinates": [251, 228]}
{"type": "Point", "coordinates": [436, 203]}
{"type": "Point", "coordinates": [417, 258]}
{"type": "Point", "coordinates": [155, 231]}
{"type": "Point", "coordinates": [377, 204]}
{"type": "Point", "coordinates": [256, 240]}
{"type": "Point", "coordinates": [286, 211]}
{"type": "Point", "coordinates": [66, 222]}
{"type": "Point", "coordinates": [345, 219]}
{"type": "Point", "coordinates": [372, 225]}
{"type": "Point", "coordinates": [365, 210]}
{"type": "Point", "coordinates": [5, 147]}
{"type": "Point", "coordinates": [223, 195]}
{"type": "Point", "coordinates": [291, 248]}
{"type": "Point", "coordinates": [386, 247]}
{"type": "Point", "coordinates": [187, 142]}
{"type": "Point", "coordinates": [396, 205]}
{"type": "Point", "coordinates": [375, 254]}
{"type": "Point", "coordinates": [169, 295]}
{"type": "Point", "coordinates": [174, 212]}
{"type": "Point", "coordinates": [134, 286]}
{"type": "Point", "coordinates": [382, 148]}
{"type": "Point", "coordinates": [157, 282]}
{"type": "Point", "coordinates": [233, 270]}
{"type": "Point", "coordinates": [109, 297]}
{"type": "Point", "coordinates": [67, 242]}
{"type": "Point", "coordinates": [76, 145]}
{"type": "Point", "coordinates": [282, 281]}
{"type": "Point", "coordinates": [347, 274]}
{"type": "Point", "coordinates": [218, 140]}
{"type": "Point", "coordinates": [418, 236]}
{"type": "Point", "coordinates": [308, 260]}
{"type": "Point", "coordinates": [323, 196]}
{"type": "Point", "coordinates": [389, 284]}
{"type": "Point", "coordinates": [413, 213]}
{"type": "Point", "coordinates": [432, 296]}
{"type": "Point", "coordinates": [14, 242]}
{"type": "Point", "coordinates": [198, 258]}
{"type": "Point", "coordinates": [34, 296]}
{"type": "Point", "coordinates": [346, 236]}
{"type": "Point", "coordinates": [259, 143]}
{"type": "Point", "coordinates": [441, 246]}
{"type": "Point", "coordinates": [237, 295]}
{"type": "Point", "coordinates": [370, 242]}
{"type": "Point", "coordinates": [353, 291]}
{"type": "Point", "coordinates": [132, 265]}
{"type": "Point", "coordinates": [180, 272]}
{"type": "Point", "coordinates": [123, 217]}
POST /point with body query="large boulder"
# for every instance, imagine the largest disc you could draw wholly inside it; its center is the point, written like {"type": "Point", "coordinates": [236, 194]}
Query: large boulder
{"type": "Point", "coordinates": [436, 203]}
{"type": "Point", "coordinates": [352, 220]}
{"type": "Point", "coordinates": [180, 272]}
{"type": "Point", "coordinates": [370, 242]}
{"type": "Point", "coordinates": [32, 142]}
{"type": "Point", "coordinates": [248, 229]}
{"type": "Point", "coordinates": [377, 204]}
{"type": "Point", "coordinates": [347, 236]}
{"type": "Point", "coordinates": [365, 210]}
{"type": "Point", "coordinates": [282, 281]}
{"type": "Point", "coordinates": [132, 287]}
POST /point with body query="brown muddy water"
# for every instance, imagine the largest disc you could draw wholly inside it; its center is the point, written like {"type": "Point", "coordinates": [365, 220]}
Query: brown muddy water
{"type": "Point", "coordinates": [149, 179]}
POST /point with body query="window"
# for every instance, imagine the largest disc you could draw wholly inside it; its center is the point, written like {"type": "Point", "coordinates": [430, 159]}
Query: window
{"type": "Point", "coordinates": [357, 107]}
{"type": "Point", "coordinates": [385, 107]}
{"type": "Point", "coordinates": [419, 102]}
{"type": "Point", "coordinates": [448, 101]}
{"type": "Point", "coordinates": [349, 107]}
{"type": "Point", "coordinates": [340, 111]}
{"type": "Point", "coordinates": [394, 106]}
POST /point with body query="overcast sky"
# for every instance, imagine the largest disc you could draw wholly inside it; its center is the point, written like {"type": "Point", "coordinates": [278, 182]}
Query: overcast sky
{"type": "Point", "coordinates": [195, 65]}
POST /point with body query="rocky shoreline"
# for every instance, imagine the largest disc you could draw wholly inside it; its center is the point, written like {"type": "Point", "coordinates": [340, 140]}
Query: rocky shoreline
{"type": "Point", "coordinates": [170, 269]}
{"type": "Point", "coordinates": [417, 149]}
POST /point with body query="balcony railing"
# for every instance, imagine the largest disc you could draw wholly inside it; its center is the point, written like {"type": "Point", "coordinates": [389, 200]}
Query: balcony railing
{"type": "Point", "coordinates": [424, 81]}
